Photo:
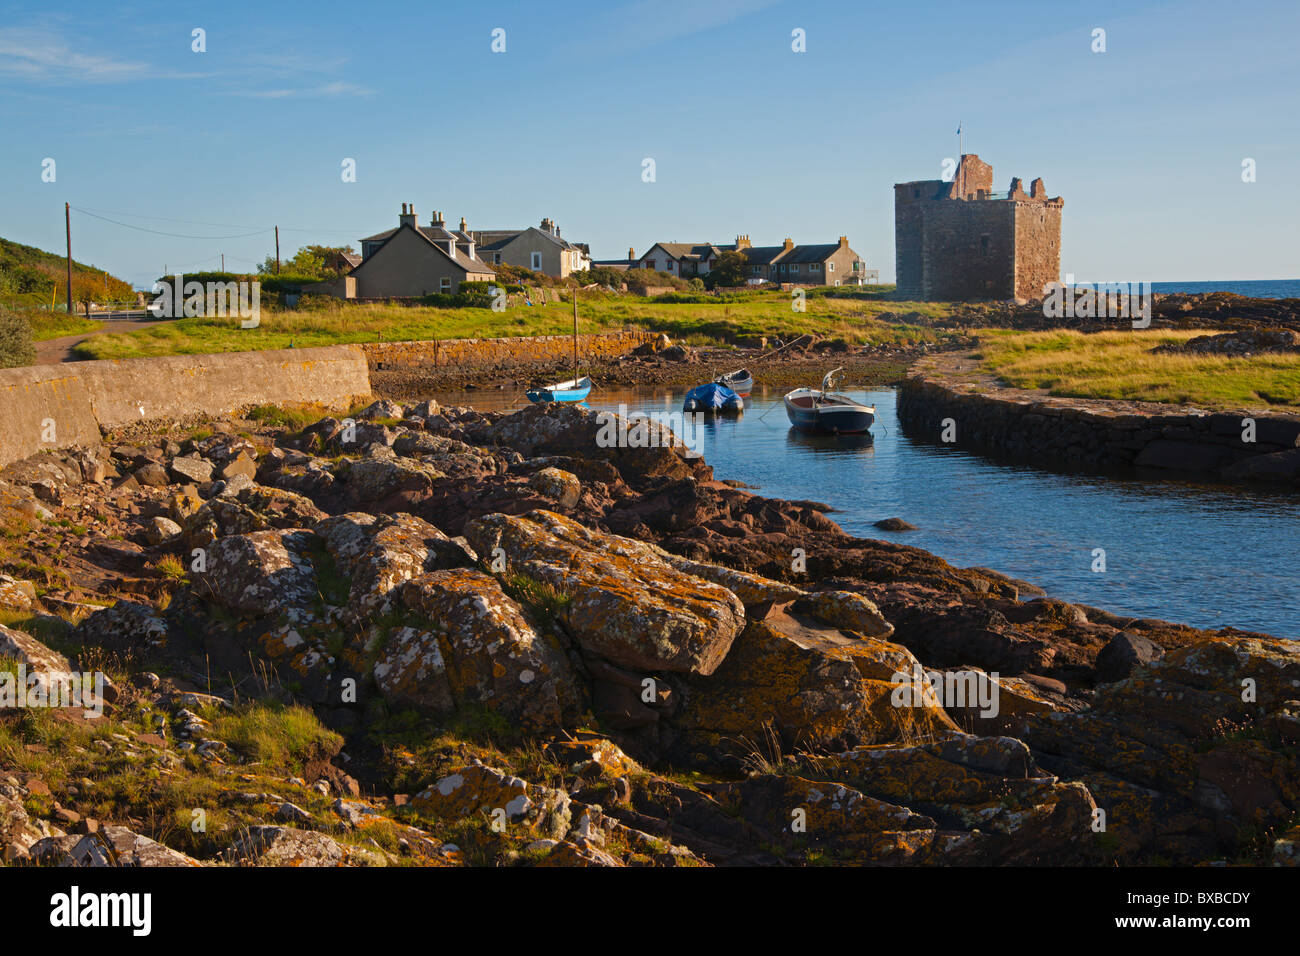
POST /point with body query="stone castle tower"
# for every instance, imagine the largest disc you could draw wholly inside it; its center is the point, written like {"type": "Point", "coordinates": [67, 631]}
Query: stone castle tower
{"type": "Point", "coordinates": [960, 240]}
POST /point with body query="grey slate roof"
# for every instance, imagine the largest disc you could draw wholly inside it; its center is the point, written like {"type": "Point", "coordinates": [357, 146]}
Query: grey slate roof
{"type": "Point", "coordinates": [818, 253]}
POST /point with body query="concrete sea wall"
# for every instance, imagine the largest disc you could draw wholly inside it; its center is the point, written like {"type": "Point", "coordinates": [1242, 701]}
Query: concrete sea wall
{"type": "Point", "coordinates": [60, 405]}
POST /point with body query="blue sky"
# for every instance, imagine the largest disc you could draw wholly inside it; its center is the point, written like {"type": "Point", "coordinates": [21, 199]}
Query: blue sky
{"type": "Point", "coordinates": [1145, 141]}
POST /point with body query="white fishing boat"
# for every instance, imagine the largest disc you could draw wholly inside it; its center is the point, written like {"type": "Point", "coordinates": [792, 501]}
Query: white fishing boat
{"type": "Point", "coordinates": [822, 410]}
{"type": "Point", "coordinates": [739, 381]}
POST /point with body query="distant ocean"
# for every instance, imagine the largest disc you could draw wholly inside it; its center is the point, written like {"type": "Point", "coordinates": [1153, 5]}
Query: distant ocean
{"type": "Point", "coordinates": [1258, 288]}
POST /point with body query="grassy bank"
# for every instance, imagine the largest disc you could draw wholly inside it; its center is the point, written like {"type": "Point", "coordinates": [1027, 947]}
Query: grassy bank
{"type": "Point", "coordinates": [697, 322]}
{"type": "Point", "coordinates": [55, 325]}
{"type": "Point", "coordinates": [1120, 365]}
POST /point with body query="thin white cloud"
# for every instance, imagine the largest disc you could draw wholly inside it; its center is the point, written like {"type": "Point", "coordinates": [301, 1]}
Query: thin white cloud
{"type": "Point", "coordinates": [43, 56]}
{"type": "Point", "coordinates": [337, 88]}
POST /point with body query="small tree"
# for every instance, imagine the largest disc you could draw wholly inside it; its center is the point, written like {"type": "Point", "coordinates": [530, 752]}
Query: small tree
{"type": "Point", "coordinates": [732, 269]}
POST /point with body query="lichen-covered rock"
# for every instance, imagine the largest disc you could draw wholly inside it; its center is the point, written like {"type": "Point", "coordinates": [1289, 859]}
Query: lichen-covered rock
{"type": "Point", "coordinates": [125, 625]}
{"type": "Point", "coordinates": [48, 671]}
{"type": "Point", "coordinates": [378, 554]}
{"type": "Point", "coordinates": [112, 846]}
{"type": "Point", "coordinates": [993, 805]}
{"type": "Point", "coordinates": [562, 486]}
{"type": "Point", "coordinates": [477, 647]}
{"type": "Point", "coordinates": [285, 846]}
{"type": "Point", "coordinates": [16, 594]}
{"type": "Point", "coordinates": [523, 807]}
{"type": "Point", "coordinates": [555, 429]}
{"type": "Point", "coordinates": [625, 603]}
{"type": "Point", "coordinates": [193, 469]}
{"type": "Point", "coordinates": [750, 588]}
{"type": "Point", "coordinates": [160, 530]}
{"type": "Point", "coordinates": [847, 611]}
{"type": "Point", "coordinates": [260, 574]}
{"type": "Point", "coordinates": [374, 479]}
{"type": "Point", "coordinates": [814, 688]}
{"type": "Point", "coordinates": [1162, 753]}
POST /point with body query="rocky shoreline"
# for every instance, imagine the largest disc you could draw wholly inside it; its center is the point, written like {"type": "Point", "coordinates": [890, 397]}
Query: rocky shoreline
{"type": "Point", "coordinates": [444, 637]}
{"type": "Point", "coordinates": [682, 367]}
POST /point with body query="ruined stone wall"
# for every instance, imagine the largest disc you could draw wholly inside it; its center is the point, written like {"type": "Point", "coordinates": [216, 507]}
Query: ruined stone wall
{"type": "Point", "coordinates": [502, 352]}
{"type": "Point", "coordinates": [1038, 248]}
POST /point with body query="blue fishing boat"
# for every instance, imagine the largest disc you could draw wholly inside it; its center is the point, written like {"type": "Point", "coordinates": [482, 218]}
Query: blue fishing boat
{"type": "Point", "coordinates": [574, 390]}
{"type": "Point", "coordinates": [821, 410]}
{"type": "Point", "coordinates": [713, 399]}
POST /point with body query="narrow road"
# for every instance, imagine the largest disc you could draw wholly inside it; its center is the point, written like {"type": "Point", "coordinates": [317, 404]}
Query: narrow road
{"type": "Point", "coordinates": [54, 351]}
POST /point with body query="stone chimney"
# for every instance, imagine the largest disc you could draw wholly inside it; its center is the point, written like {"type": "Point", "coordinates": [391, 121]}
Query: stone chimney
{"type": "Point", "coordinates": [631, 253]}
{"type": "Point", "coordinates": [407, 218]}
{"type": "Point", "coordinates": [1037, 190]}
{"type": "Point", "coordinates": [436, 220]}
{"type": "Point", "coordinates": [464, 226]}
{"type": "Point", "coordinates": [844, 242]}
{"type": "Point", "coordinates": [788, 244]}
{"type": "Point", "coordinates": [742, 242]}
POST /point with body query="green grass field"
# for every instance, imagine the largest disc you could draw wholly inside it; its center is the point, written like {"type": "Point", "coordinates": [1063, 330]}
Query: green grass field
{"type": "Point", "coordinates": [762, 314]}
{"type": "Point", "coordinates": [1120, 365]}
{"type": "Point", "coordinates": [54, 325]}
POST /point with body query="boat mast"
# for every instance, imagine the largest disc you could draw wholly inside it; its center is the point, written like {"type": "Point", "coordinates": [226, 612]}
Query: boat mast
{"type": "Point", "coordinates": [575, 336]}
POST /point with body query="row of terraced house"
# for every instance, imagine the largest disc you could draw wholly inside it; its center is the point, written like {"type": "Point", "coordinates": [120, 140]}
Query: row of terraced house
{"type": "Point", "coordinates": [413, 259]}
{"type": "Point", "coordinates": [832, 263]}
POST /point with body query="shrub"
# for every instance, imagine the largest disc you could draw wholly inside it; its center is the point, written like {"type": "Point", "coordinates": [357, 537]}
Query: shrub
{"type": "Point", "coordinates": [15, 340]}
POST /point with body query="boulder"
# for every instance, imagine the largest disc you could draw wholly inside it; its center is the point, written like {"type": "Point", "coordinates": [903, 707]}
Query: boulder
{"type": "Point", "coordinates": [624, 603]}
{"type": "Point", "coordinates": [477, 647]}
{"type": "Point", "coordinates": [160, 530]}
{"type": "Point", "coordinates": [1124, 652]}
{"type": "Point", "coordinates": [378, 554]}
{"type": "Point", "coordinates": [16, 594]}
{"type": "Point", "coordinates": [477, 789]}
{"type": "Point", "coordinates": [193, 468]}
{"type": "Point", "coordinates": [285, 846]}
{"type": "Point", "coordinates": [562, 486]}
{"type": "Point", "coordinates": [260, 574]}
{"type": "Point", "coordinates": [111, 846]}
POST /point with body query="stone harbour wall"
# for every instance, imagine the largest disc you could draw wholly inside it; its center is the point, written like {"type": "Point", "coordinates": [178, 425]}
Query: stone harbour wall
{"type": "Point", "coordinates": [1095, 435]}
{"type": "Point", "coordinates": [486, 353]}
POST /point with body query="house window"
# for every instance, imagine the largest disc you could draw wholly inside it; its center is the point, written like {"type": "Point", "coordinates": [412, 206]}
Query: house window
{"type": "Point", "coordinates": [815, 267]}
{"type": "Point", "coordinates": [496, 258]}
{"type": "Point", "coordinates": [537, 261]}
{"type": "Point", "coordinates": [837, 281]}
{"type": "Point", "coordinates": [795, 267]}
{"type": "Point", "coordinates": [444, 285]}
{"type": "Point", "coordinates": [670, 265]}
{"type": "Point", "coordinates": [831, 267]}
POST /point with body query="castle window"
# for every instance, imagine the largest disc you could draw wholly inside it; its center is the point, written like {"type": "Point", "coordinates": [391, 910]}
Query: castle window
{"type": "Point", "coordinates": [916, 194]}
{"type": "Point", "coordinates": [984, 245]}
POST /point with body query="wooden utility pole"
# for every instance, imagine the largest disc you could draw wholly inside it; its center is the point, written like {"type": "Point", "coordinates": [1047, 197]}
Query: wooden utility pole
{"type": "Point", "coordinates": [277, 250]}
{"type": "Point", "coordinates": [223, 262]}
{"type": "Point", "coordinates": [67, 221]}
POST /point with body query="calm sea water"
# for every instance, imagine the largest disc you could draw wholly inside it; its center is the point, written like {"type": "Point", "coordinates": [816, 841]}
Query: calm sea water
{"type": "Point", "coordinates": [1260, 288]}
{"type": "Point", "coordinates": [1204, 555]}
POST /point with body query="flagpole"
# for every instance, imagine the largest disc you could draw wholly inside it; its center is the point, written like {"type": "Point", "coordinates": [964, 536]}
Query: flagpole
{"type": "Point", "coordinates": [961, 184]}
